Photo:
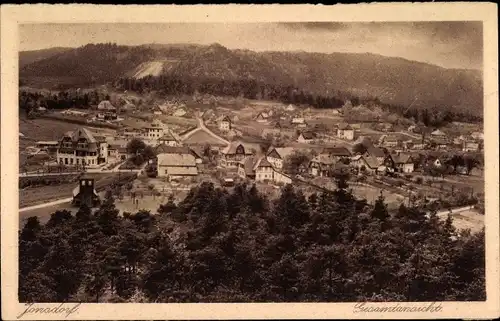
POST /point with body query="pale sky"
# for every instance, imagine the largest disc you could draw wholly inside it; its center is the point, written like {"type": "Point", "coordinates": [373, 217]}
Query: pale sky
{"type": "Point", "coordinates": [447, 44]}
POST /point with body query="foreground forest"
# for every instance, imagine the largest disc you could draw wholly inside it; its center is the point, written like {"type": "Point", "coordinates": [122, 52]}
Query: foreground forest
{"type": "Point", "coordinates": [237, 246]}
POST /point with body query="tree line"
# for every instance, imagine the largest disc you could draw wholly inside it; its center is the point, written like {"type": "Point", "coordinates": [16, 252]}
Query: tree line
{"type": "Point", "coordinates": [435, 116]}
{"type": "Point", "coordinates": [29, 102]}
{"type": "Point", "coordinates": [219, 245]}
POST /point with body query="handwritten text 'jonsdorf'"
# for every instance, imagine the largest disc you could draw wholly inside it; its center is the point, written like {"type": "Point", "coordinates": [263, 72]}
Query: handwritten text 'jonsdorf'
{"type": "Point", "coordinates": [63, 309]}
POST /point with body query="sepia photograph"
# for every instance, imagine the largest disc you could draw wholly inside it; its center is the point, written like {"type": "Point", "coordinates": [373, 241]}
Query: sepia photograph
{"type": "Point", "coordinates": [251, 162]}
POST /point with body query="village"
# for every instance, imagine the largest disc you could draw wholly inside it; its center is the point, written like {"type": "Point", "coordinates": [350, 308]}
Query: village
{"type": "Point", "coordinates": [181, 144]}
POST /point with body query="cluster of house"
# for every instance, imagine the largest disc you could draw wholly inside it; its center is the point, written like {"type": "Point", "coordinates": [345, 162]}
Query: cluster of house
{"type": "Point", "coordinates": [172, 108]}
{"type": "Point", "coordinates": [436, 140]}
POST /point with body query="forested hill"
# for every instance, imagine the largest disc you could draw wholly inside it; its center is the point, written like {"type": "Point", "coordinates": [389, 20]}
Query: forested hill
{"type": "Point", "coordinates": [391, 80]}
{"type": "Point", "coordinates": [28, 57]}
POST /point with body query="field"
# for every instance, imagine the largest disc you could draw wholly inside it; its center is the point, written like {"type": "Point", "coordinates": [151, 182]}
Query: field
{"type": "Point", "coordinates": [468, 220]}
{"type": "Point", "coordinates": [50, 129]}
{"type": "Point", "coordinates": [371, 194]}
{"type": "Point", "coordinates": [43, 194]}
{"type": "Point", "coordinates": [44, 213]}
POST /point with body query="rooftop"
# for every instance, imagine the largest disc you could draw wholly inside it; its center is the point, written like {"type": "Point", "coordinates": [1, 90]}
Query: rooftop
{"type": "Point", "coordinates": [175, 159]}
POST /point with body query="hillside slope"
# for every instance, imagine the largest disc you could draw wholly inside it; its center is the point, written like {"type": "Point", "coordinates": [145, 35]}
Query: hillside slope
{"type": "Point", "coordinates": [28, 57]}
{"type": "Point", "coordinates": [392, 80]}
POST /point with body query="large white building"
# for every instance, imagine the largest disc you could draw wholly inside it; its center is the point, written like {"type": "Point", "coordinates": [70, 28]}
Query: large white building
{"type": "Point", "coordinates": [176, 164]}
{"type": "Point", "coordinates": [82, 147]}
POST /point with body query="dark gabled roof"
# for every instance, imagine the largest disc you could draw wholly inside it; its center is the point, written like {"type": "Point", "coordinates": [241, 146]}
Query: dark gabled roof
{"type": "Point", "coordinates": [164, 149]}
{"type": "Point", "coordinates": [273, 153]}
{"type": "Point", "coordinates": [402, 158]}
{"type": "Point", "coordinates": [308, 135]}
{"type": "Point", "coordinates": [168, 136]}
{"type": "Point", "coordinates": [344, 126]}
{"type": "Point", "coordinates": [262, 162]}
{"type": "Point", "coordinates": [337, 151]}
{"type": "Point", "coordinates": [371, 161]}
{"type": "Point", "coordinates": [248, 164]}
{"type": "Point", "coordinates": [247, 147]}
{"type": "Point", "coordinates": [375, 151]}
{"type": "Point", "coordinates": [226, 118]}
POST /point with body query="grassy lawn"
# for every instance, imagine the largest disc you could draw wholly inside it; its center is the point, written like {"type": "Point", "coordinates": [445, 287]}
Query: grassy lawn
{"type": "Point", "coordinates": [470, 219]}
{"type": "Point", "coordinates": [44, 213]}
{"type": "Point", "coordinates": [49, 129]}
{"type": "Point", "coordinates": [42, 194]}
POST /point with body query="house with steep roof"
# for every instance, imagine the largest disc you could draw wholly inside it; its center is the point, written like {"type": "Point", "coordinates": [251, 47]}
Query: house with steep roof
{"type": "Point", "coordinates": [166, 149]}
{"type": "Point", "coordinates": [225, 124]}
{"type": "Point", "coordinates": [262, 117]}
{"type": "Point", "coordinates": [376, 152]}
{"type": "Point", "coordinates": [306, 137]}
{"type": "Point", "coordinates": [168, 139]}
{"type": "Point", "coordinates": [236, 152]}
{"type": "Point", "coordinates": [174, 165]}
{"type": "Point", "coordinates": [81, 147]}
{"type": "Point", "coordinates": [277, 155]}
{"type": "Point", "coordinates": [106, 105]}
{"type": "Point", "coordinates": [368, 164]}
{"type": "Point", "coordinates": [400, 162]}
{"type": "Point", "coordinates": [321, 165]}
{"type": "Point", "coordinates": [337, 153]}
{"type": "Point", "coordinates": [345, 131]}
{"type": "Point", "coordinates": [261, 170]}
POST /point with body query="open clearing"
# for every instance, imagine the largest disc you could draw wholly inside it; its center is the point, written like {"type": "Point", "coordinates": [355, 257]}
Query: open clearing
{"type": "Point", "coordinates": [50, 129]}
{"type": "Point", "coordinates": [152, 68]}
{"type": "Point", "coordinates": [469, 219]}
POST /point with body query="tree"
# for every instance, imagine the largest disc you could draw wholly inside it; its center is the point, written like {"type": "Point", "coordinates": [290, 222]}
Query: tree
{"type": "Point", "coordinates": [148, 153]}
{"type": "Point", "coordinates": [380, 209]}
{"type": "Point", "coordinates": [168, 207]}
{"type": "Point", "coordinates": [136, 146]}
{"type": "Point", "coordinates": [359, 149]}
{"type": "Point", "coordinates": [470, 163]}
{"type": "Point", "coordinates": [293, 162]}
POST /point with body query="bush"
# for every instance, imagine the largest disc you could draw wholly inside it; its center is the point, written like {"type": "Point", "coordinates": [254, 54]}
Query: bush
{"type": "Point", "coordinates": [419, 180]}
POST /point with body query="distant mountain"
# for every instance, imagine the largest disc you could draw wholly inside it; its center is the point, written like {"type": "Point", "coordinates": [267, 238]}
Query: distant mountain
{"type": "Point", "coordinates": [28, 57]}
{"type": "Point", "coordinates": [392, 80]}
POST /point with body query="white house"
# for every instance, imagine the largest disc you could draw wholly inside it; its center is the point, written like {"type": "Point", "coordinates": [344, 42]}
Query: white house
{"type": "Point", "coordinates": [155, 130]}
{"type": "Point", "coordinates": [477, 136]}
{"type": "Point", "coordinates": [277, 155]}
{"type": "Point", "coordinates": [260, 169]}
{"type": "Point", "coordinates": [176, 165]}
{"type": "Point", "coordinates": [345, 131]}
{"type": "Point", "coordinates": [168, 139]}
{"type": "Point", "coordinates": [81, 147]}
{"type": "Point", "coordinates": [225, 124]}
